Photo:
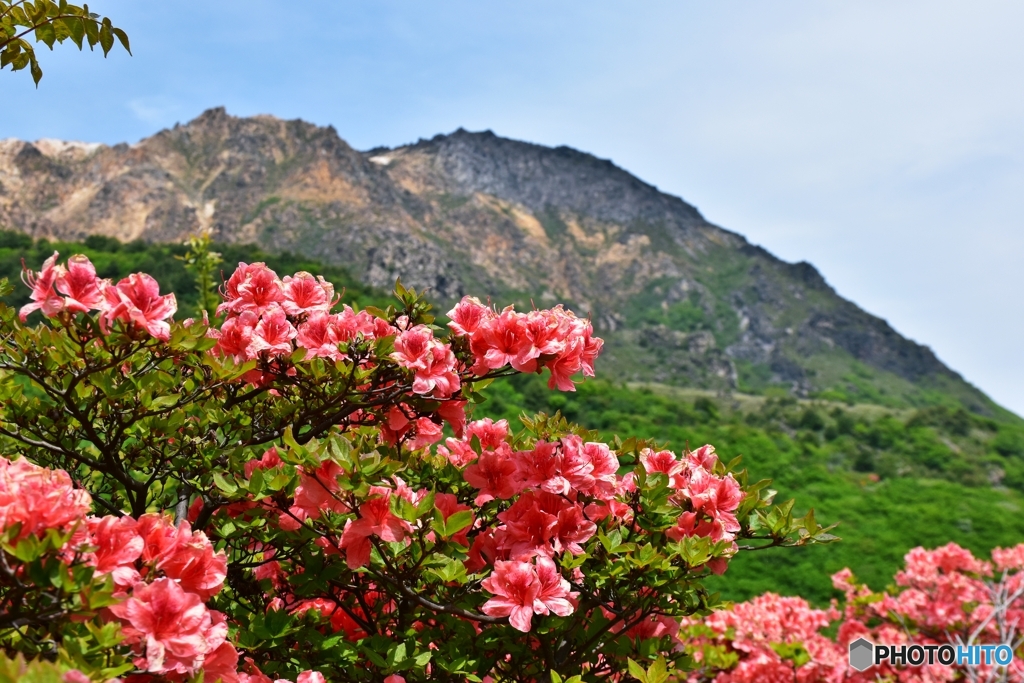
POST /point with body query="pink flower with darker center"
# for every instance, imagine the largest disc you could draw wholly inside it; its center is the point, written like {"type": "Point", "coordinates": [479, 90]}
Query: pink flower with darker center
{"type": "Point", "coordinates": [468, 315]}
{"type": "Point", "coordinates": [136, 299]}
{"type": "Point", "coordinates": [44, 298]}
{"type": "Point", "coordinates": [498, 341]}
{"type": "Point", "coordinates": [545, 334]}
{"type": "Point", "coordinates": [176, 627]}
{"type": "Point", "coordinates": [304, 293]}
{"type": "Point", "coordinates": [431, 359]}
{"type": "Point", "coordinates": [493, 474]}
{"type": "Point", "coordinates": [273, 335]}
{"type": "Point", "coordinates": [554, 595]}
{"type": "Point", "coordinates": [222, 664]}
{"type": "Point", "coordinates": [319, 335]}
{"type": "Point", "coordinates": [235, 336]}
{"type": "Point", "coordinates": [515, 588]}
{"type": "Point", "coordinates": [252, 287]}
{"type": "Point", "coordinates": [82, 290]}
{"type": "Point", "coordinates": [118, 547]}
{"type": "Point", "coordinates": [522, 590]}
{"type": "Point", "coordinates": [181, 554]}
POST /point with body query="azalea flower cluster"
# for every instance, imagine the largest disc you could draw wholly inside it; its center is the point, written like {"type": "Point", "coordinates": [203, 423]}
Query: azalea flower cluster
{"type": "Point", "coordinates": [75, 288]}
{"type": "Point", "coordinates": [420, 560]}
{"type": "Point", "coordinates": [561, 490]}
{"type": "Point", "coordinates": [554, 339]}
{"type": "Point", "coordinates": [162, 574]}
{"type": "Point", "coordinates": [709, 502]}
{"type": "Point", "coordinates": [269, 317]}
{"type": "Point", "coordinates": [942, 596]}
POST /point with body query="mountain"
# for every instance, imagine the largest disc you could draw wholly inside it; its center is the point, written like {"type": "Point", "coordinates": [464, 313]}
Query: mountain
{"type": "Point", "coordinates": [679, 300]}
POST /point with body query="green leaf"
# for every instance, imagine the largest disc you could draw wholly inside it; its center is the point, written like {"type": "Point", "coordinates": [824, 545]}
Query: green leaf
{"type": "Point", "coordinates": [46, 34]}
{"type": "Point", "coordinates": [161, 402]}
{"type": "Point", "coordinates": [106, 37]}
{"type": "Point", "coordinates": [256, 482]}
{"type": "Point", "coordinates": [223, 484]}
{"type": "Point", "coordinates": [123, 38]}
{"type": "Point", "coordinates": [637, 671]}
{"type": "Point", "coordinates": [658, 672]}
{"type": "Point", "coordinates": [457, 522]}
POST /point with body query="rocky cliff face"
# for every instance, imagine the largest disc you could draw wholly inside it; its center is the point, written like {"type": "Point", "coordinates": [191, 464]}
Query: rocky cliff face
{"type": "Point", "coordinates": [680, 300]}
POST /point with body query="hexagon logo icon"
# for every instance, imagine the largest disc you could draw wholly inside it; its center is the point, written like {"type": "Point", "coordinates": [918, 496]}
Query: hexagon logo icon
{"type": "Point", "coordinates": [862, 654]}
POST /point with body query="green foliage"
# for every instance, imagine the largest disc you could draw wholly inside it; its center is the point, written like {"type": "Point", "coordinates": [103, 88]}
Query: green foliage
{"type": "Point", "coordinates": [202, 261]}
{"type": "Point", "coordinates": [50, 23]}
{"type": "Point", "coordinates": [893, 479]}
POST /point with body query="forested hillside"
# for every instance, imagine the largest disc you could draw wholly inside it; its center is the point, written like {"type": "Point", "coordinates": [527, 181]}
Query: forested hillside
{"type": "Point", "coordinates": [892, 477]}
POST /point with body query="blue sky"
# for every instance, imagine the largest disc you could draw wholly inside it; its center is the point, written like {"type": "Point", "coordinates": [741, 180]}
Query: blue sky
{"type": "Point", "coordinates": [882, 141]}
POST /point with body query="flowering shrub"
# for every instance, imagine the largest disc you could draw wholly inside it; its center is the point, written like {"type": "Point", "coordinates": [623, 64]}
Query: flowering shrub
{"type": "Point", "coordinates": [942, 596]}
{"type": "Point", "coordinates": [294, 490]}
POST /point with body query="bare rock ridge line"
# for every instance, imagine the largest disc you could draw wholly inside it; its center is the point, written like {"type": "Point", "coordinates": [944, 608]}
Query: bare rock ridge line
{"type": "Point", "coordinates": [679, 299]}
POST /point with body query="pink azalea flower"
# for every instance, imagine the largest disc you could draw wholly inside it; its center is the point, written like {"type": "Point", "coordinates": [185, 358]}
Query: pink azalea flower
{"type": "Point", "coordinates": [541, 468]}
{"type": "Point", "coordinates": [222, 664]}
{"type": "Point", "coordinates": [304, 293]}
{"type": "Point", "coordinates": [43, 297]}
{"type": "Point", "coordinates": [183, 555]}
{"type": "Point", "coordinates": [235, 336]}
{"type": "Point", "coordinates": [375, 519]}
{"type": "Point", "coordinates": [573, 530]}
{"type": "Point", "coordinates": [252, 287]}
{"type": "Point", "coordinates": [498, 341]}
{"type": "Point", "coordinates": [491, 434]}
{"type": "Point", "coordinates": [118, 547]}
{"type": "Point", "coordinates": [82, 290]}
{"type": "Point", "coordinates": [554, 595]}
{"type": "Point", "coordinates": [268, 460]}
{"type": "Point", "coordinates": [176, 627]}
{"type": "Point", "coordinates": [454, 413]}
{"type": "Point", "coordinates": [515, 588]}
{"type": "Point", "coordinates": [315, 494]}
{"type": "Point", "coordinates": [545, 334]}
{"type": "Point", "coordinates": [39, 499]}
{"type": "Point", "coordinates": [136, 299]}
{"type": "Point", "coordinates": [433, 361]}
{"type": "Point", "coordinates": [664, 462]}
{"type": "Point", "coordinates": [350, 324]}
{"type": "Point", "coordinates": [468, 315]}
{"type": "Point", "coordinates": [529, 530]}
{"type": "Point", "coordinates": [319, 335]}
{"type": "Point", "coordinates": [273, 334]}
{"type": "Point", "coordinates": [493, 474]}
{"type": "Point", "coordinates": [564, 366]}
{"type": "Point", "coordinates": [522, 589]}
{"type": "Point", "coordinates": [195, 565]}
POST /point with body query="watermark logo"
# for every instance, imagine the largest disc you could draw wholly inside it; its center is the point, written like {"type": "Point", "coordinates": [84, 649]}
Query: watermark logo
{"type": "Point", "coordinates": [864, 654]}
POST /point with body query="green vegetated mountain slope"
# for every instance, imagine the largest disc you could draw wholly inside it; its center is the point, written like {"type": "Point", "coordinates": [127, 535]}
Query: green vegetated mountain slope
{"type": "Point", "coordinates": [680, 301]}
{"type": "Point", "coordinates": [893, 477]}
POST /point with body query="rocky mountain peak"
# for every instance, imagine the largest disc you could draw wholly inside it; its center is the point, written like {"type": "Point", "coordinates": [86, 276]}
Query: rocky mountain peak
{"type": "Point", "coordinates": [679, 300]}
